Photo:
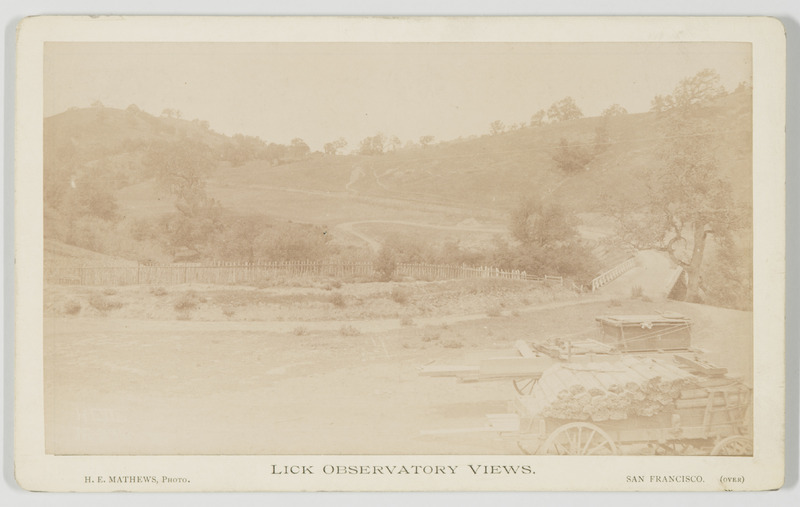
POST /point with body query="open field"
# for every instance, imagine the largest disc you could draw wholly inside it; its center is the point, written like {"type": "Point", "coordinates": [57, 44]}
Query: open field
{"type": "Point", "coordinates": [123, 384]}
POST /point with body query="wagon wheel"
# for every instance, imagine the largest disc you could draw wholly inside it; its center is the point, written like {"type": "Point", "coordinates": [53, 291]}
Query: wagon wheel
{"type": "Point", "coordinates": [524, 385]}
{"type": "Point", "coordinates": [529, 446]}
{"type": "Point", "coordinates": [735, 445]}
{"type": "Point", "coordinates": [578, 438]}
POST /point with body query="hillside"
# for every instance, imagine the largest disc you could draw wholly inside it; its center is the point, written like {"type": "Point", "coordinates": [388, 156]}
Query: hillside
{"type": "Point", "coordinates": [490, 171]}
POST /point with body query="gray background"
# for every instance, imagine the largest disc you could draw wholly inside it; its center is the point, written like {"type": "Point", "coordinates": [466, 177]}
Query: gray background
{"type": "Point", "coordinates": [788, 11]}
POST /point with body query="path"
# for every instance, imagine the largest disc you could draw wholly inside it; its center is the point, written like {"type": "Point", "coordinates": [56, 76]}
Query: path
{"type": "Point", "coordinates": [349, 227]}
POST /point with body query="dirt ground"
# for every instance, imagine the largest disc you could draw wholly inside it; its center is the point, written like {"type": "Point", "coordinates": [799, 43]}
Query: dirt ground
{"type": "Point", "coordinates": [119, 385]}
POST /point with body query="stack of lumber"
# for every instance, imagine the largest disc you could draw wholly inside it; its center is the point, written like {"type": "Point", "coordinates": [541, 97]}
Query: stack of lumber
{"type": "Point", "coordinates": [603, 391]}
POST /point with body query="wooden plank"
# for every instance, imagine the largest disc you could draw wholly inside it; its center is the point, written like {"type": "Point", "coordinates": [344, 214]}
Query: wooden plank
{"type": "Point", "coordinates": [524, 349]}
{"type": "Point", "coordinates": [524, 366]}
{"type": "Point", "coordinates": [447, 370]}
{"type": "Point", "coordinates": [696, 365]}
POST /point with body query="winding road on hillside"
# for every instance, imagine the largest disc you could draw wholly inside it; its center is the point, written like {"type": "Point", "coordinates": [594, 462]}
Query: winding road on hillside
{"type": "Point", "coordinates": [349, 228]}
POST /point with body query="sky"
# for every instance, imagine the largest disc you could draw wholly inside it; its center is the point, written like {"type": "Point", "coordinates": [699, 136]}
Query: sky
{"type": "Point", "coordinates": [322, 91]}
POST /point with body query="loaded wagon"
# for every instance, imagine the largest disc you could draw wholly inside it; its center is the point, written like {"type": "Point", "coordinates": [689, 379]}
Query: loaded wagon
{"type": "Point", "coordinates": [634, 405]}
{"type": "Point", "coordinates": [638, 388]}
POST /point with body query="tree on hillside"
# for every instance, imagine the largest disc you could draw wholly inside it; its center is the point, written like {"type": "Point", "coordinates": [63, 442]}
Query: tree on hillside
{"type": "Point", "coordinates": [564, 110]}
{"type": "Point", "coordinates": [181, 169]}
{"type": "Point", "coordinates": [298, 149]}
{"type": "Point", "coordinates": [533, 222]}
{"type": "Point", "coordinates": [426, 140]}
{"type": "Point", "coordinates": [614, 110]}
{"type": "Point", "coordinates": [547, 242]}
{"type": "Point", "coordinates": [539, 118]}
{"type": "Point", "coordinates": [497, 127]}
{"type": "Point", "coordinates": [333, 147]}
{"type": "Point", "coordinates": [572, 158]}
{"type": "Point", "coordinates": [688, 200]}
{"type": "Point", "coordinates": [395, 143]}
{"type": "Point", "coordinates": [691, 92]}
{"type": "Point", "coordinates": [373, 145]}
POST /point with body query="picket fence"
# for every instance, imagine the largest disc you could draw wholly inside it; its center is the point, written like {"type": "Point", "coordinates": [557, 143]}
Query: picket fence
{"type": "Point", "coordinates": [222, 273]}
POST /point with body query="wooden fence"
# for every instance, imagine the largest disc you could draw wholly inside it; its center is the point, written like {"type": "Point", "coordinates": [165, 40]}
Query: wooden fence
{"type": "Point", "coordinates": [613, 273]}
{"type": "Point", "coordinates": [242, 273]}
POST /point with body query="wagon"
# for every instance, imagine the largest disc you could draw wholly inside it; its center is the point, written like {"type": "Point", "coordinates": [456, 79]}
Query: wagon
{"type": "Point", "coordinates": [710, 414]}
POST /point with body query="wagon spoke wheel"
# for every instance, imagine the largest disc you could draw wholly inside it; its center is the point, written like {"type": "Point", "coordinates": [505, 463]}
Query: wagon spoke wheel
{"type": "Point", "coordinates": [524, 385]}
{"type": "Point", "coordinates": [578, 438]}
{"type": "Point", "coordinates": [736, 445]}
{"type": "Point", "coordinates": [529, 445]}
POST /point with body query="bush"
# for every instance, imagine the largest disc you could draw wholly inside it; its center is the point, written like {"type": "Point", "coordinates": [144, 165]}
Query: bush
{"type": "Point", "coordinates": [406, 320]}
{"type": "Point", "coordinates": [399, 295]}
{"type": "Point", "coordinates": [228, 312]}
{"type": "Point", "coordinates": [184, 315]}
{"type": "Point", "coordinates": [452, 344]}
{"type": "Point", "coordinates": [158, 291]}
{"type": "Point", "coordinates": [430, 336]}
{"type": "Point", "coordinates": [300, 331]}
{"type": "Point", "coordinates": [336, 284]}
{"type": "Point", "coordinates": [337, 300]}
{"type": "Point", "coordinates": [110, 292]}
{"type": "Point", "coordinates": [72, 307]}
{"type": "Point", "coordinates": [614, 302]}
{"type": "Point", "coordinates": [187, 301]}
{"type": "Point", "coordinates": [348, 330]}
{"type": "Point", "coordinates": [636, 291]}
{"type": "Point", "coordinates": [104, 304]}
{"type": "Point", "coordinates": [494, 311]}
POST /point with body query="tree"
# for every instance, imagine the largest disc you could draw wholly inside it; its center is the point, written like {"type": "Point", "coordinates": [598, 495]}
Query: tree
{"type": "Point", "coordinates": [497, 127]}
{"type": "Point", "coordinates": [181, 169]}
{"type": "Point", "coordinates": [539, 118]}
{"type": "Point", "coordinates": [572, 158]}
{"type": "Point", "coordinates": [533, 222]}
{"type": "Point", "coordinates": [373, 145]}
{"type": "Point", "coordinates": [687, 198]}
{"type": "Point", "coordinates": [614, 110]}
{"type": "Point", "coordinates": [564, 110]}
{"type": "Point", "coordinates": [691, 92]}
{"type": "Point", "coordinates": [426, 140]}
{"type": "Point", "coordinates": [395, 143]}
{"type": "Point", "coordinates": [298, 149]}
{"type": "Point", "coordinates": [333, 147]}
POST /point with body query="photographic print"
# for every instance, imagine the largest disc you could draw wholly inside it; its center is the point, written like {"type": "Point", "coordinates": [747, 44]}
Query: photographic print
{"type": "Point", "coordinates": [425, 257]}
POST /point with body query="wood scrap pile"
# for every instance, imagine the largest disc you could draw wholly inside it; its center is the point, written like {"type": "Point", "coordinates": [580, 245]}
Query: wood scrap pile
{"type": "Point", "coordinates": [610, 390]}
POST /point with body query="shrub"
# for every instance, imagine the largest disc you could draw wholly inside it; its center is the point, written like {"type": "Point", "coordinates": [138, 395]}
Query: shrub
{"type": "Point", "coordinates": [158, 291]}
{"type": "Point", "coordinates": [72, 307]}
{"type": "Point", "coordinates": [184, 315]}
{"type": "Point", "coordinates": [228, 312]}
{"type": "Point", "coordinates": [636, 291]}
{"type": "Point", "coordinates": [348, 330]}
{"type": "Point", "coordinates": [104, 304]}
{"type": "Point", "coordinates": [430, 336]}
{"type": "Point", "coordinates": [110, 292]}
{"type": "Point", "coordinates": [187, 301]}
{"type": "Point", "coordinates": [494, 311]}
{"type": "Point", "coordinates": [646, 298]}
{"type": "Point", "coordinates": [336, 284]}
{"type": "Point", "coordinates": [406, 320]}
{"type": "Point", "coordinates": [399, 295]}
{"type": "Point", "coordinates": [452, 344]}
{"type": "Point", "coordinates": [337, 300]}
{"type": "Point", "coordinates": [615, 302]}
{"type": "Point", "coordinates": [515, 313]}
{"type": "Point", "coordinates": [300, 331]}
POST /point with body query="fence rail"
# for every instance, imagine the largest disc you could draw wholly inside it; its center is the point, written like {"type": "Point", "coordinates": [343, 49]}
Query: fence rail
{"type": "Point", "coordinates": [242, 273]}
{"type": "Point", "coordinates": [613, 273]}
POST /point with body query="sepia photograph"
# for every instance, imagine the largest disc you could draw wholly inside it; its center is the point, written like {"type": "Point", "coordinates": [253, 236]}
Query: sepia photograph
{"type": "Point", "coordinates": [398, 248]}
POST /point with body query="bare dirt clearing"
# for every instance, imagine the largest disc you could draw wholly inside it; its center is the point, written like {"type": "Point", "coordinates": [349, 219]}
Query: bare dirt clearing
{"type": "Point", "coordinates": [125, 386]}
